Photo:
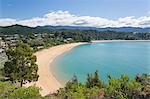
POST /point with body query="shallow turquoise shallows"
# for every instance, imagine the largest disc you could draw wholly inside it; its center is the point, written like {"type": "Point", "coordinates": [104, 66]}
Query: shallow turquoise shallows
{"type": "Point", "coordinates": [109, 58]}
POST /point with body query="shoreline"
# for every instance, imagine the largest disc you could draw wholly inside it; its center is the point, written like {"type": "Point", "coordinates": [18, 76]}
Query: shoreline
{"type": "Point", "coordinates": [94, 41]}
{"type": "Point", "coordinates": [47, 81]}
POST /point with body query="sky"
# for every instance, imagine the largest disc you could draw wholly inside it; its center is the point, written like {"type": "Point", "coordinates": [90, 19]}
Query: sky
{"type": "Point", "coordinates": [95, 13]}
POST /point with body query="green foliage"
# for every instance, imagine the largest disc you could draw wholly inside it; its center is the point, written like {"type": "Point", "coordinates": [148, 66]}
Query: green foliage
{"type": "Point", "coordinates": [11, 91]}
{"type": "Point", "coordinates": [72, 89]}
{"type": "Point", "coordinates": [39, 38]}
{"type": "Point", "coordinates": [91, 93]}
{"type": "Point", "coordinates": [19, 29]}
{"type": "Point", "coordinates": [77, 35]}
{"type": "Point", "coordinates": [6, 88]}
{"type": "Point", "coordinates": [76, 90]}
{"type": "Point", "coordinates": [145, 81]}
{"type": "Point", "coordinates": [21, 66]}
{"type": "Point", "coordinates": [93, 81]}
{"type": "Point", "coordinates": [121, 88]}
{"type": "Point", "coordinates": [25, 93]}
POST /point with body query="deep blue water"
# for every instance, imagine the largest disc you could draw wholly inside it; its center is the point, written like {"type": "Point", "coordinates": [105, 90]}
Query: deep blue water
{"type": "Point", "coordinates": [109, 58]}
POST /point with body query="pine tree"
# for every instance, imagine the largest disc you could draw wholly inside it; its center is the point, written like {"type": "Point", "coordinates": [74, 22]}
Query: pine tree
{"type": "Point", "coordinates": [21, 66]}
{"type": "Point", "coordinates": [93, 81]}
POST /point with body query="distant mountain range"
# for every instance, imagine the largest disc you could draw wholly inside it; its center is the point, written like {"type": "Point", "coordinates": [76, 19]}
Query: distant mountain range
{"type": "Point", "coordinates": [44, 29]}
{"type": "Point", "coordinates": [117, 29]}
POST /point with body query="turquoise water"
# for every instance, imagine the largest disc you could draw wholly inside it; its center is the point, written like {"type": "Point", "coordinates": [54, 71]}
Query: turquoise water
{"type": "Point", "coordinates": [109, 58]}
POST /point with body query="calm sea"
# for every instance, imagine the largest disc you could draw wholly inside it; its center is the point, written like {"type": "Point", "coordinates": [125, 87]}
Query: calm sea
{"type": "Point", "coordinates": [109, 58]}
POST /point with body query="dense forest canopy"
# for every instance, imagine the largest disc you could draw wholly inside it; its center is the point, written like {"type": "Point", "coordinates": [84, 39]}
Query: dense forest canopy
{"type": "Point", "coordinates": [79, 35]}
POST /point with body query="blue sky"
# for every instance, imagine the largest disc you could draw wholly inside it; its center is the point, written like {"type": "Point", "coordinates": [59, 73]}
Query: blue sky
{"type": "Point", "coordinates": [23, 9]}
{"type": "Point", "coordinates": [94, 13]}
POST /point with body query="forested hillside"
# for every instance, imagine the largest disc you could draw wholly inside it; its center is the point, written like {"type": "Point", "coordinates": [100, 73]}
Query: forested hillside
{"type": "Point", "coordinates": [79, 35]}
{"type": "Point", "coordinates": [117, 29]}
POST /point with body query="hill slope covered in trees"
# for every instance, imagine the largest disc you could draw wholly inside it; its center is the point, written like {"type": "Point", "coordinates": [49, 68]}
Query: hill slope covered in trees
{"type": "Point", "coordinates": [79, 35]}
{"type": "Point", "coordinates": [116, 29]}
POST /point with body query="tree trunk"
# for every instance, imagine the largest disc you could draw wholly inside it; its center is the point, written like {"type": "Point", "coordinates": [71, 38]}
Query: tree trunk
{"type": "Point", "coordinates": [21, 83]}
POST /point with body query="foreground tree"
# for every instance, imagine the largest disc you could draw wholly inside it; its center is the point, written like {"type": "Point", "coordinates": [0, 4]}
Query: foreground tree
{"type": "Point", "coordinates": [76, 90]}
{"type": "Point", "coordinates": [94, 80]}
{"type": "Point", "coordinates": [116, 88]}
{"type": "Point", "coordinates": [21, 66]}
{"type": "Point", "coordinates": [122, 88]}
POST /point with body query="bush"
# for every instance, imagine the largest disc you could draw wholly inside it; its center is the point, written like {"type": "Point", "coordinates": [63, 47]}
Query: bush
{"type": "Point", "coordinates": [11, 91]}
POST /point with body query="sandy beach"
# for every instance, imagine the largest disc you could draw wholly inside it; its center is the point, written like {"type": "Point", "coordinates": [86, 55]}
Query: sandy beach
{"type": "Point", "coordinates": [47, 81]}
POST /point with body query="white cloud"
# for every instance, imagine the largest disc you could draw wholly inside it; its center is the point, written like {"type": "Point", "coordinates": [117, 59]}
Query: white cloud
{"type": "Point", "coordinates": [65, 18]}
{"type": "Point", "coordinates": [7, 22]}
